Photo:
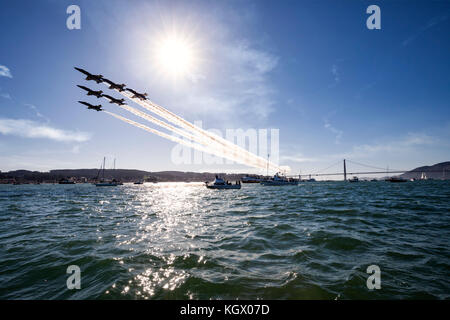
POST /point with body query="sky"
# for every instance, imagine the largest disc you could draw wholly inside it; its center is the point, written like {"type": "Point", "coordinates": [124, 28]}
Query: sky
{"type": "Point", "coordinates": [311, 69]}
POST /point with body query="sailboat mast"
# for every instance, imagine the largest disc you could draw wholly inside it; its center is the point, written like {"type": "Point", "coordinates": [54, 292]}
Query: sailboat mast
{"type": "Point", "coordinates": [104, 159]}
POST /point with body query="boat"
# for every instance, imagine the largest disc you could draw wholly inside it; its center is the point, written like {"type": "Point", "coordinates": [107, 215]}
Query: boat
{"type": "Point", "coordinates": [106, 184]}
{"type": "Point", "coordinates": [66, 181]}
{"type": "Point", "coordinates": [396, 179]}
{"type": "Point", "coordinates": [250, 179]}
{"type": "Point", "coordinates": [138, 182]}
{"type": "Point", "coordinates": [354, 179]}
{"type": "Point", "coordinates": [219, 183]}
{"type": "Point", "coordinates": [103, 182]}
{"type": "Point", "coordinates": [279, 180]}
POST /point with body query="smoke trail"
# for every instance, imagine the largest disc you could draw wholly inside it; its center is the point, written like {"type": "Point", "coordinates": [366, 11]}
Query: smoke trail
{"type": "Point", "coordinates": [176, 139]}
{"type": "Point", "coordinates": [218, 151]}
{"type": "Point", "coordinates": [153, 107]}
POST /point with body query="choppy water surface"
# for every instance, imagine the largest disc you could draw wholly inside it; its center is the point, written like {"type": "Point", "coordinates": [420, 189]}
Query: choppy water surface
{"type": "Point", "coordinates": [182, 241]}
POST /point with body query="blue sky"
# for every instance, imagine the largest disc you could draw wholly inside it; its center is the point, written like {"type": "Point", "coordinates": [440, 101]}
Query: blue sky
{"type": "Point", "coordinates": [311, 69]}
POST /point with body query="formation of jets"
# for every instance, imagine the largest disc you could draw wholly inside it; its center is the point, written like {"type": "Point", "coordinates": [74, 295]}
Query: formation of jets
{"type": "Point", "coordinates": [99, 79]}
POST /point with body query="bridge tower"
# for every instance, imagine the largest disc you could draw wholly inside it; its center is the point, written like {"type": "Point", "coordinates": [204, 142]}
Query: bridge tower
{"type": "Point", "coordinates": [345, 172]}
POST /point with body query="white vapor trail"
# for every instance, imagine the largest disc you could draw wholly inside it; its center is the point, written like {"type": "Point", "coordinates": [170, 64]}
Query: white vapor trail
{"type": "Point", "coordinates": [213, 139]}
{"type": "Point", "coordinates": [220, 152]}
{"type": "Point", "coordinates": [176, 139]}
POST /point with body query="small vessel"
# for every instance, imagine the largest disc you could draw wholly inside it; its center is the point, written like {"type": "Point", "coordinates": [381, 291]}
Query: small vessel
{"type": "Point", "coordinates": [396, 179]}
{"type": "Point", "coordinates": [103, 182]}
{"type": "Point", "coordinates": [138, 182]}
{"type": "Point", "coordinates": [66, 181]}
{"type": "Point", "coordinates": [250, 179]}
{"type": "Point", "coordinates": [219, 183]}
{"type": "Point", "coordinates": [106, 184]}
{"type": "Point", "coordinates": [354, 179]}
{"type": "Point", "coordinates": [279, 180]}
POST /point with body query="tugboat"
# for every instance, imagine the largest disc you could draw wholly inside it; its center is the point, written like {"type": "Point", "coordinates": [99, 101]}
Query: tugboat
{"type": "Point", "coordinates": [219, 183]}
{"type": "Point", "coordinates": [279, 180]}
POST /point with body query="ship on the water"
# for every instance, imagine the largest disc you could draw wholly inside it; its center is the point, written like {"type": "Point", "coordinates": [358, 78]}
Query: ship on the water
{"type": "Point", "coordinates": [396, 179]}
{"type": "Point", "coordinates": [104, 182]}
{"type": "Point", "coordinates": [66, 181]}
{"type": "Point", "coordinates": [280, 180]}
{"type": "Point", "coordinates": [220, 183]}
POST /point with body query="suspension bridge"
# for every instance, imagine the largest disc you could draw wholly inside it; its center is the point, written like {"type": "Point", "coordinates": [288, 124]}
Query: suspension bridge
{"type": "Point", "coordinates": [370, 170]}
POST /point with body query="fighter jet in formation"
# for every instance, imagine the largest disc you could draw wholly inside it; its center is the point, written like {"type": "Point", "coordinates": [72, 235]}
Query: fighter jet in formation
{"type": "Point", "coordinates": [91, 92]}
{"type": "Point", "coordinates": [114, 100]}
{"type": "Point", "coordinates": [141, 96]}
{"type": "Point", "coordinates": [92, 107]}
{"type": "Point", "coordinates": [89, 76]}
{"type": "Point", "coordinates": [112, 85]}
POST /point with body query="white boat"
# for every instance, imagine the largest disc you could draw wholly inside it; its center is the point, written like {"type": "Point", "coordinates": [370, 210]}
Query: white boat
{"type": "Point", "coordinates": [354, 179]}
{"type": "Point", "coordinates": [219, 183]}
{"type": "Point", "coordinates": [279, 180]}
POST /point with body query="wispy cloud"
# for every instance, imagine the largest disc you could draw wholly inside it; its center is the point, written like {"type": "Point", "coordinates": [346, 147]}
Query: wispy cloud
{"type": "Point", "coordinates": [335, 72]}
{"type": "Point", "coordinates": [5, 95]}
{"type": "Point", "coordinates": [431, 23]}
{"type": "Point", "coordinates": [300, 158]}
{"type": "Point", "coordinates": [4, 72]}
{"type": "Point", "coordinates": [36, 111]}
{"type": "Point", "coordinates": [401, 145]}
{"type": "Point", "coordinates": [31, 129]}
{"type": "Point", "coordinates": [242, 87]}
{"type": "Point", "coordinates": [338, 133]}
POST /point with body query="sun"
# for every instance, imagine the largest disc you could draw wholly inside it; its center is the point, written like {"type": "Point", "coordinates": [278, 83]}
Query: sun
{"type": "Point", "coordinates": [175, 56]}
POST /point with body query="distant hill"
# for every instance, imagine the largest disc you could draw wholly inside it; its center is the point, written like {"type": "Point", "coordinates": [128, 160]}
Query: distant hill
{"type": "Point", "coordinates": [125, 175]}
{"type": "Point", "coordinates": [437, 171]}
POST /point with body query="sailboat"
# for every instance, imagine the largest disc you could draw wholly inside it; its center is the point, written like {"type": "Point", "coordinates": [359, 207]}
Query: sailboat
{"type": "Point", "coordinates": [103, 182]}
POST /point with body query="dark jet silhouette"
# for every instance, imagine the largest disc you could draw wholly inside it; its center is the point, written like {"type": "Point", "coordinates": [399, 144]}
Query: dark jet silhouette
{"type": "Point", "coordinates": [112, 85]}
{"type": "Point", "coordinates": [90, 92]}
{"type": "Point", "coordinates": [92, 107]}
{"type": "Point", "coordinates": [89, 76]}
{"type": "Point", "coordinates": [138, 95]}
{"type": "Point", "coordinates": [114, 100]}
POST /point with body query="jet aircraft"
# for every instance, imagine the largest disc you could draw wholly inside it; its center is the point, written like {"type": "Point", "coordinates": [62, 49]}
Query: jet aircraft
{"type": "Point", "coordinates": [92, 107]}
{"type": "Point", "coordinates": [114, 100]}
{"type": "Point", "coordinates": [91, 92]}
{"type": "Point", "coordinates": [89, 76]}
{"type": "Point", "coordinates": [138, 95]}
